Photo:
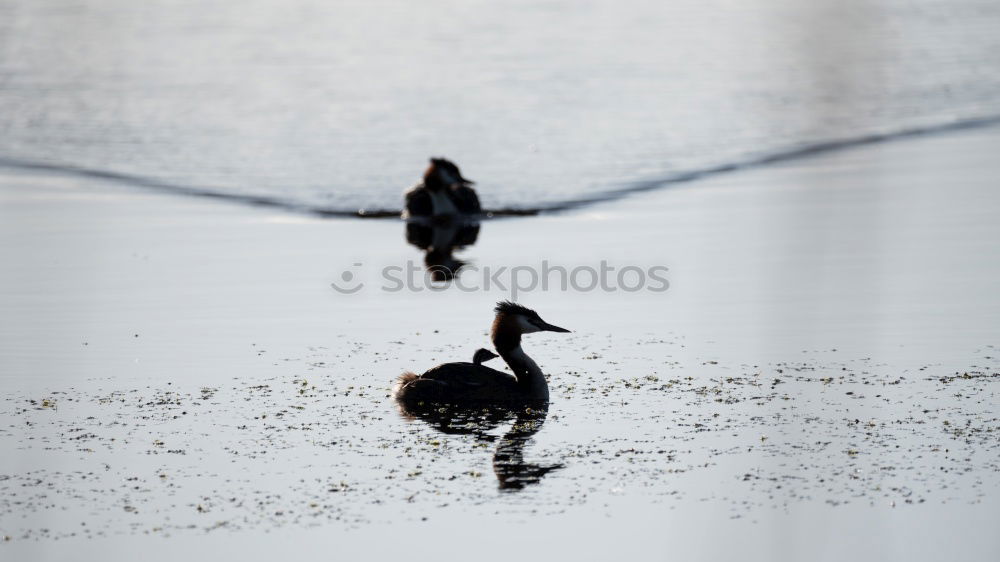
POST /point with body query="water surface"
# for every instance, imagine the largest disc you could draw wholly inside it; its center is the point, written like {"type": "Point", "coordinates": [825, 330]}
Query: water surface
{"type": "Point", "coordinates": [337, 105]}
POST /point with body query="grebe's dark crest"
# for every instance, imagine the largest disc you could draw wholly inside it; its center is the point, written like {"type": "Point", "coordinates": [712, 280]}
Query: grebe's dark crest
{"type": "Point", "coordinates": [510, 307]}
{"type": "Point", "coordinates": [444, 173]}
{"type": "Point", "coordinates": [457, 383]}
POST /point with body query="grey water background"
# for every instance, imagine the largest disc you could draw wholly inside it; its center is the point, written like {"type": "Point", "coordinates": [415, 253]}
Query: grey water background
{"type": "Point", "coordinates": [337, 105]}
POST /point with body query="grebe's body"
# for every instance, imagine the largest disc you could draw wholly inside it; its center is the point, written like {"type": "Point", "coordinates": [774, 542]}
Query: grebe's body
{"type": "Point", "coordinates": [458, 383]}
{"type": "Point", "coordinates": [443, 193]}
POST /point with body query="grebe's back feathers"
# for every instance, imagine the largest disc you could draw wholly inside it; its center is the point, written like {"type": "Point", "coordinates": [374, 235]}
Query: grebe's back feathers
{"type": "Point", "coordinates": [452, 382]}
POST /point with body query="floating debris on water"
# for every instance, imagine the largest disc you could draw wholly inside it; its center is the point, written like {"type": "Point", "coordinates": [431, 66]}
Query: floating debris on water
{"type": "Point", "coordinates": [320, 443]}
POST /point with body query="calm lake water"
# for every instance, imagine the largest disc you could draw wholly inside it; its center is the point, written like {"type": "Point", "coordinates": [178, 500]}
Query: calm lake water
{"type": "Point", "coordinates": [180, 380]}
{"type": "Point", "coordinates": [818, 383]}
{"type": "Point", "coordinates": [337, 105]}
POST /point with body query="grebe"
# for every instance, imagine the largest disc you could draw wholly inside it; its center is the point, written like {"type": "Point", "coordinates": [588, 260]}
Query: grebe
{"type": "Point", "coordinates": [443, 193]}
{"type": "Point", "coordinates": [456, 383]}
{"type": "Point", "coordinates": [483, 355]}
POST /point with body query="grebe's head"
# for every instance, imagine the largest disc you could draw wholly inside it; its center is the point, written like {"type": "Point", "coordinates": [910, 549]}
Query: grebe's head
{"type": "Point", "coordinates": [514, 319]}
{"type": "Point", "coordinates": [443, 174]}
{"type": "Point", "coordinates": [483, 355]}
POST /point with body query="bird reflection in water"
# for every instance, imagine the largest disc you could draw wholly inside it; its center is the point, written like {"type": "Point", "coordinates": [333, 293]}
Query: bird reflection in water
{"type": "Point", "coordinates": [439, 238]}
{"type": "Point", "coordinates": [512, 471]}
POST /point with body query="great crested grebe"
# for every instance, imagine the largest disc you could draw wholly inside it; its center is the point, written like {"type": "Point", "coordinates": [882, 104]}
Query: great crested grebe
{"type": "Point", "coordinates": [443, 193]}
{"type": "Point", "coordinates": [483, 355]}
{"type": "Point", "coordinates": [456, 383]}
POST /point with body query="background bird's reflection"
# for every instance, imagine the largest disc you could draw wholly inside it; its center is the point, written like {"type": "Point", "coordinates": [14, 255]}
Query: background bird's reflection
{"type": "Point", "coordinates": [509, 465]}
{"type": "Point", "coordinates": [439, 239]}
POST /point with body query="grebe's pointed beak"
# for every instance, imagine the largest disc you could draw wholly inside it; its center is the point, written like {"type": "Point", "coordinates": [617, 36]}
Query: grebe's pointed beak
{"type": "Point", "coordinates": [464, 181]}
{"type": "Point", "coordinates": [546, 327]}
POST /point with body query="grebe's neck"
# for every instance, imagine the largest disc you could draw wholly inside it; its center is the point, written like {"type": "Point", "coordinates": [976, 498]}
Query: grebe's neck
{"type": "Point", "coordinates": [529, 376]}
{"type": "Point", "coordinates": [441, 202]}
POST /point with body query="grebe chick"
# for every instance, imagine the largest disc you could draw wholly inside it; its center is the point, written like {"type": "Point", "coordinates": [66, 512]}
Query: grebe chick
{"type": "Point", "coordinates": [443, 193]}
{"type": "Point", "coordinates": [456, 383]}
{"type": "Point", "coordinates": [483, 355]}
